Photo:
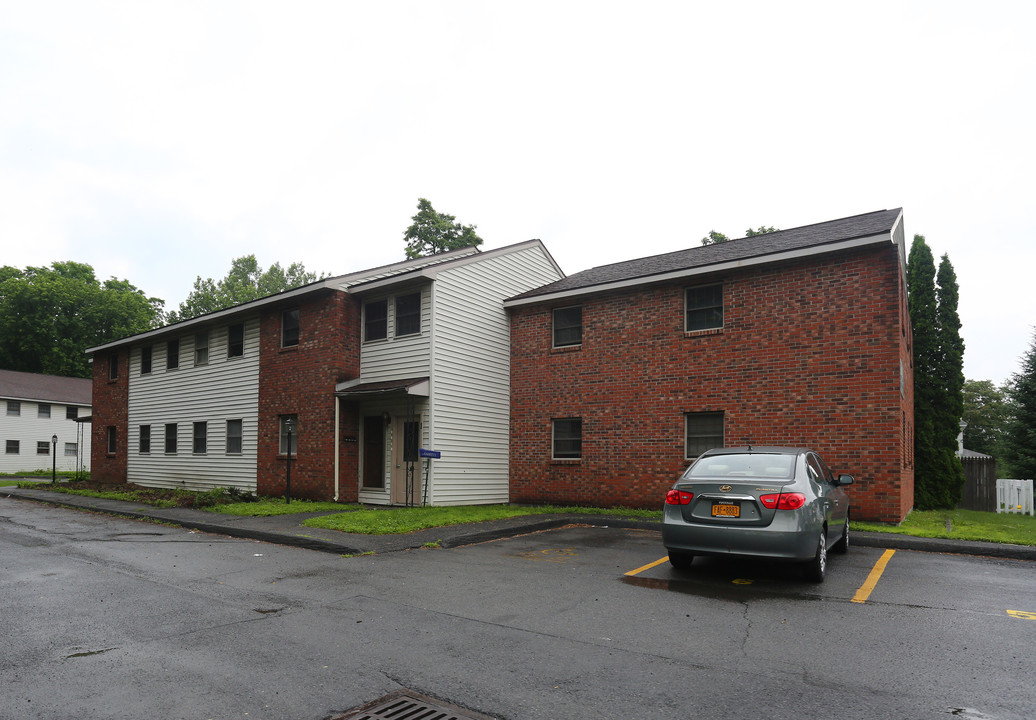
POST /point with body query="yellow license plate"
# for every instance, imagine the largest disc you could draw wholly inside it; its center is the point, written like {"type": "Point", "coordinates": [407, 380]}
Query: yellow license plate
{"type": "Point", "coordinates": [726, 511]}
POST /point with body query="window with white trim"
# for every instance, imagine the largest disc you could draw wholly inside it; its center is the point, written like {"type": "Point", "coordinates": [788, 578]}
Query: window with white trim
{"type": "Point", "coordinates": [567, 439]}
{"type": "Point", "coordinates": [568, 326]}
{"type": "Point", "coordinates": [704, 307]}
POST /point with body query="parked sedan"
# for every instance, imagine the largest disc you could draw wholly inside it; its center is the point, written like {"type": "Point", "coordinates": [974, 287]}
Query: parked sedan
{"type": "Point", "coordinates": [769, 502]}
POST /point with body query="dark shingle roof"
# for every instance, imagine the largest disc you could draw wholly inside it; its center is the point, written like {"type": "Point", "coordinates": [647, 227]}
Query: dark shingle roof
{"type": "Point", "coordinates": [48, 388]}
{"type": "Point", "coordinates": [702, 256]}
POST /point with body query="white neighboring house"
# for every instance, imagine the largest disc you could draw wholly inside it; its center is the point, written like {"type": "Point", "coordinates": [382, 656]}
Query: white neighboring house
{"type": "Point", "coordinates": [36, 408]}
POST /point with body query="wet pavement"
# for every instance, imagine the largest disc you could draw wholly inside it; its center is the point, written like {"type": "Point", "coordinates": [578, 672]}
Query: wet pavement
{"type": "Point", "coordinates": [289, 530]}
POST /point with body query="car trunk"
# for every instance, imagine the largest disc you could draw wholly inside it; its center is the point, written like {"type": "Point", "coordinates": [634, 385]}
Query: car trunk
{"type": "Point", "coordinates": [731, 501]}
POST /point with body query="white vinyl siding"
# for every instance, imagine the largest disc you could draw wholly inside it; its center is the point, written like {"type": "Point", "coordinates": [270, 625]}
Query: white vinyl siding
{"type": "Point", "coordinates": [223, 389]}
{"type": "Point", "coordinates": [470, 418]}
{"type": "Point", "coordinates": [395, 358]}
{"type": "Point", "coordinates": [29, 429]}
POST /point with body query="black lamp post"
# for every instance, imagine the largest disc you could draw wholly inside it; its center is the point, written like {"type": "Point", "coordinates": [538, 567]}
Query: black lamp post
{"type": "Point", "coordinates": [54, 468]}
{"type": "Point", "coordinates": [289, 427]}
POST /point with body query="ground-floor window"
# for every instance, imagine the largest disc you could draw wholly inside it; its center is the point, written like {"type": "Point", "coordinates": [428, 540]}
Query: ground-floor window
{"type": "Point", "coordinates": [111, 439]}
{"type": "Point", "coordinates": [234, 437]}
{"type": "Point", "coordinates": [567, 442]}
{"type": "Point", "coordinates": [42, 447]}
{"type": "Point", "coordinates": [12, 447]}
{"type": "Point", "coordinates": [704, 431]}
{"type": "Point", "coordinates": [144, 446]}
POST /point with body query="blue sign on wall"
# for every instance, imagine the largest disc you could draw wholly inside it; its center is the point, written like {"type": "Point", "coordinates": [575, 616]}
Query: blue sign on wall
{"type": "Point", "coordinates": [432, 454]}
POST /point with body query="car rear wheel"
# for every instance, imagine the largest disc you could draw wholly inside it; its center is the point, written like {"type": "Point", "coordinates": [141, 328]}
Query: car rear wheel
{"type": "Point", "coordinates": [817, 567]}
{"type": "Point", "coordinates": [842, 546]}
{"type": "Point", "coordinates": [680, 560]}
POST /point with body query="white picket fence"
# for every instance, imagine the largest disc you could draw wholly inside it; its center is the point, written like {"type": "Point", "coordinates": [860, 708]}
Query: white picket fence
{"type": "Point", "coordinates": [1014, 496]}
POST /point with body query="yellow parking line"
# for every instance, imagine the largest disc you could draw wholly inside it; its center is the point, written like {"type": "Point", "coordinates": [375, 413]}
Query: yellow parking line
{"type": "Point", "coordinates": [648, 566]}
{"type": "Point", "coordinates": [872, 580]}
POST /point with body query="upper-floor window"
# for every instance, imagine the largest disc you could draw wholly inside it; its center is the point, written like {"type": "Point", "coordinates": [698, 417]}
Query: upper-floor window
{"type": "Point", "coordinates": [704, 307]}
{"type": "Point", "coordinates": [568, 326]}
{"type": "Point", "coordinates": [236, 340]}
{"type": "Point", "coordinates": [567, 442]}
{"type": "Point", "coordinates": [703, 431]}
{"type": "Point", "coordinates": [113, 366]}
{"type": "Point", "coordinates": [375, 320]}
{"type": "Point", "coordinates": [408, 314]}
{"type": "Point", "coordinates": [71, 412]}
{"type": "Point", "coordinates": [14, 407]}
{"type": "Point", "coordinates": [145, 360]}
{"type": "Point", "coordinates": [201, 348]}
{"type": "Point", "coordinates": [172, 354]}
{"type": "Point", "coordinates": [43, 410]}
{"type": "Point", "coordinates": [290, 328]}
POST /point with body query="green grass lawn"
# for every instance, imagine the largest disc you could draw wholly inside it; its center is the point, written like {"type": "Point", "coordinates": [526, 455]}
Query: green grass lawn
{"type": "Point", "coordinates": [391, 521]}
{"type": "Point", "coordinates": [963, 525]}
{"type": "Point", "coordinates": [266, 507]}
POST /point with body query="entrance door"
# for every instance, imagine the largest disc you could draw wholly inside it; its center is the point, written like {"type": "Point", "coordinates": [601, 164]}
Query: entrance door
{"type": "Point", "coordinates": [373, 452]}
{"type": "Point", "coordinates": [406, 469]}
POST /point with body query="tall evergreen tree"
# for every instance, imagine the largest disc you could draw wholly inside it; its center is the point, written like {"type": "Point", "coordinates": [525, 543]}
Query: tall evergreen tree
{"type": "Point", "coordinates": [923, 304]}
{"type": "Point", "coordinates": [950, 399]}
{"type": "Point", "coordinates": [1022, 432]}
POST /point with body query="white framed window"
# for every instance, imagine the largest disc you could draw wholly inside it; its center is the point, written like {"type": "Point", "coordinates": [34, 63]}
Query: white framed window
{"type": "Point", "coordinates": [567, 439]}
{"type": "Point", "coordinates": [12, 447]}
{"type": "Point", "coordinates": [201, 348]}
{"type": "Point", "coordinates": [235, 340]}
{"type": "Point", "coordinates": [14, 408]}
{"type": "Point", "coordinates": [201, 438]}
{"type": "Point", "coordinates": [408, 314]}
{"type": "Point", "coordinates": [702, 431]}
{"type": "Point", "coordinates": [144, 446]}
{"type": "Point", "coordinates": [42, 447]}
{"type": "Point", "coordinates": [43, 410]}
{"type": "Point", "coordinates": [172, 354]}
{"type": "Point", "coordinates": [170, 438]}
{"type": "Point", "coordinates": [72, 449]}
{"type": "Point", "coordinates": [234, 437]}
{"type": "Point", "coordinates": [146, 353]}
{"type": "Point", "coordinates": [375, 320]}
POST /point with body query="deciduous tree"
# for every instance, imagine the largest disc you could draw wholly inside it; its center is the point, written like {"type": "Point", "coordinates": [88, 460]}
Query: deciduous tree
{"type": "Point", "coordinates": [50, 316]}
{"type": "Point", "coordinates": [434, 232]}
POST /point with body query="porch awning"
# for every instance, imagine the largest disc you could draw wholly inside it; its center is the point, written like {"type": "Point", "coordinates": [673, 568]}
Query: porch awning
{"type": "Point", "coordinates": [359, 389]}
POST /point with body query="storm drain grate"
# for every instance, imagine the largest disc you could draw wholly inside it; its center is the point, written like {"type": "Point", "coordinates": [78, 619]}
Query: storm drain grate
{"type": "Point", "coordinates": [408, 705]}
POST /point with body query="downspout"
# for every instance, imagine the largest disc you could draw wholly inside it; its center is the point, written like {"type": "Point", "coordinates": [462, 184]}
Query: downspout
{"type": "Point", "coordinates": [338, 404]}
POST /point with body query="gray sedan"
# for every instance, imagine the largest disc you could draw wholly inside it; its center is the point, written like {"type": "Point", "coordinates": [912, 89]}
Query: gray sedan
{"type": "Point", "coordinates": [769, 502]}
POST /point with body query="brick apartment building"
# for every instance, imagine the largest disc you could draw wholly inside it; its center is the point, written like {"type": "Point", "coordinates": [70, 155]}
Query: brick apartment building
{"type": "Point", "coordinates": [621, 375]}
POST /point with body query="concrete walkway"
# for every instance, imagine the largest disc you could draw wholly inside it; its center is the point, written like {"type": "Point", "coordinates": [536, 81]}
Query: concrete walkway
{"type": "Point", "coordinates": [289, 530]}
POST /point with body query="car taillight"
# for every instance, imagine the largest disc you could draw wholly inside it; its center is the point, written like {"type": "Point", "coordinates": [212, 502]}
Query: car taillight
{"type": "Point", "coordinates": [678, 497]}
{"type": "Point", "coordinates": [783, 501]}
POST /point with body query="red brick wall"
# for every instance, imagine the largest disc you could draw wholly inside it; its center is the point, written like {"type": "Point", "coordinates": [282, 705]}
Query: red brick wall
{"type": "Point", "coordinates": [110, 407]}
{"type": "Point", "coordinates": [301, 380]}
{"type": "Point", "coordinates": [809, 355]}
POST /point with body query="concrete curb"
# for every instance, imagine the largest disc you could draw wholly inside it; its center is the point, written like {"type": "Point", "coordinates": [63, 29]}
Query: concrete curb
{"type": "Point", "coordinates": [288, 529]}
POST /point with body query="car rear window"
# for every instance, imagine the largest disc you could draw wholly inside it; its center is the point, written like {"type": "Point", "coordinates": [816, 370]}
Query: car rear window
{"type": "Point", "coordinates": [761, 465]}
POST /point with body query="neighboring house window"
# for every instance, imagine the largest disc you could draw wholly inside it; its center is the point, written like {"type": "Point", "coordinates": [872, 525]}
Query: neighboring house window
{"type": "Point", "coordinates": [42, 447]}
{"type": "Point", "coordinates": [71, 412]}
{"type": "Point", "coordinates": [704, 431]}
{"type": "Point", "coordinates": [145, 439]}
{"type": "Point", "coordinates": [201, 348]}
{"type": "Point", "coordinates": [234, 434]}
{"type": "Point", "coordinates": [290, 328]}
{"type": "Point", "coordinates": [375, 320]}
{"type": "Point", "coordinates": [568, 439]}
{"type": "Point", "coordinates": [704, 307]}
{"type": "Point", "coordinates": [14, 407]}
{"type": "Point", "coordinates": [145, 360]}
{"type": "Point", "coordinates": [201, 437]}
{"type": "Point", "coordinates": [72, 449]}
{"type": "Point", "coordinates": [43, 410]}
{"type": "Point", "coordinates": [568, 326]}
{"type": "Point", "coordinates": [111, 439]}
{"type": "Point", "coordinates": [408, 314]}
{"type": "Point", "coordinates": [113, 366]}
{"type": "Point", "coordinates": [12, 447]}
{"type": "Point", "coordinates": [236, 340]}
{"type": "Point", "coordinates": [172, 354]}
{"type": "Point", "coordinates": [170, 438]}
{"type": "Point", "coordinates": [285, 420]}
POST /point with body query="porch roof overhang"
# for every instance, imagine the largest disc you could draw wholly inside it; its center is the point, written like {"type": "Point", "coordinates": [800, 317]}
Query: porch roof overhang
{"type": "Point", "coordinates": [357, 388]}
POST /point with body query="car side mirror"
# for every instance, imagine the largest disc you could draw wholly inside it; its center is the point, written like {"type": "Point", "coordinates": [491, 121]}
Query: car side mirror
{"type": "Point", "coordinates": [845, 480]}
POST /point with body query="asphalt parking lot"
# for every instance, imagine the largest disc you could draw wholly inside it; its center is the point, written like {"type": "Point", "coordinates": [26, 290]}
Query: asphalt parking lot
{"type": "Point", "coordinates": [109, 617]}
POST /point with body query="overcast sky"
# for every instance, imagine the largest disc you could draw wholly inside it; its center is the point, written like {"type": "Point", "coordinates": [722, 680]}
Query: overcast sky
{"type": "Point", "coordinates": [158, 141]}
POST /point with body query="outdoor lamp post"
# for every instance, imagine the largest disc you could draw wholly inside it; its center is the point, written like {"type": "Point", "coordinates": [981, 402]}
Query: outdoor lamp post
{"type": "Point", "coordinates": [54, 468]}
{"type": "Point", "coordinates": [289, 428]}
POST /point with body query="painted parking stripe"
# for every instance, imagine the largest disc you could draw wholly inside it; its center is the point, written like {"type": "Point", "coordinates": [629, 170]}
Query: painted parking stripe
{"type": "Point", "coordinates": [872, 580]}
{"type": "Point", "coordinates": [648, 566]}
